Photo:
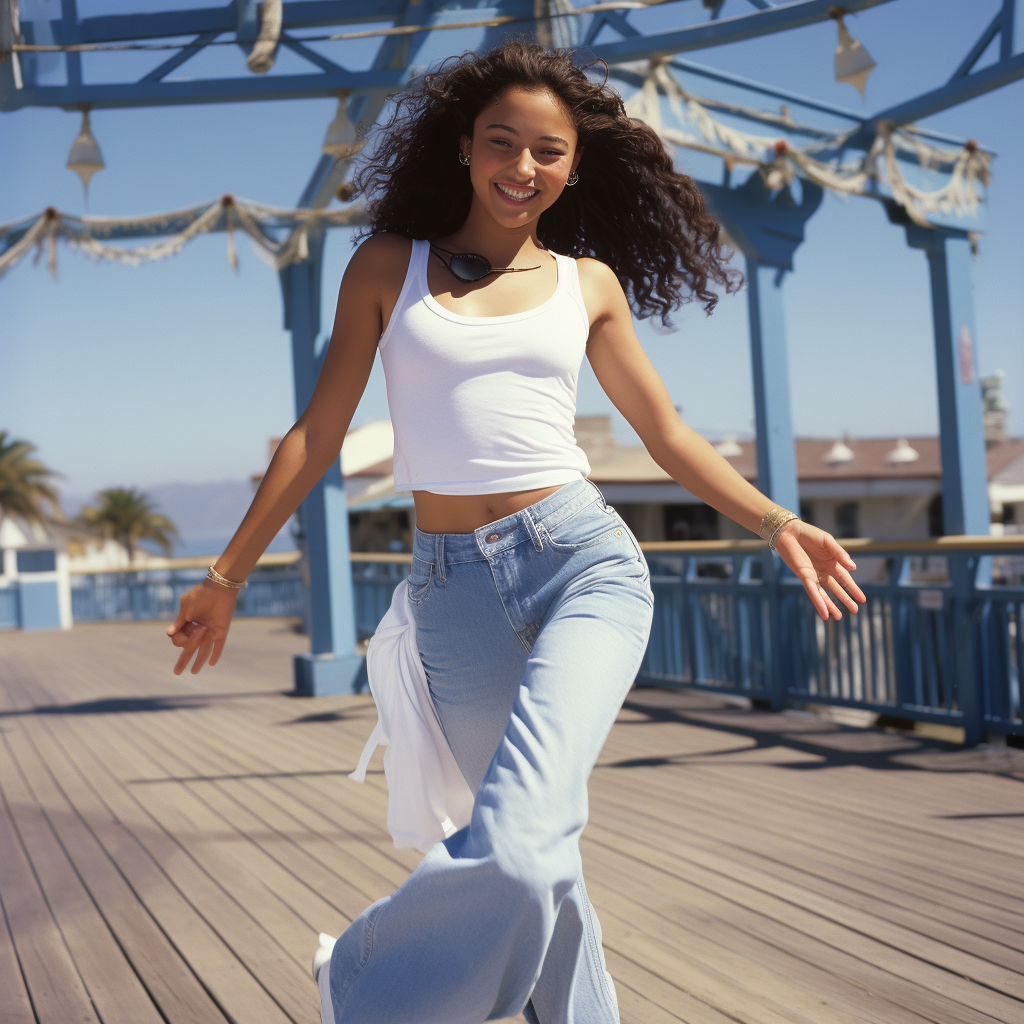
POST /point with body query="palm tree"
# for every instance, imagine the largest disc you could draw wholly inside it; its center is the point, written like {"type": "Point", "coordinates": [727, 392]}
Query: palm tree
{"type": "Point", "coordinates": [25, 490]}
{"type": "Point", "coordinates": [127, 516]}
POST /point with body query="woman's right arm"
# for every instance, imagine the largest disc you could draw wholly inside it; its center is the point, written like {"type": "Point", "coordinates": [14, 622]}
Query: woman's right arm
{"type": "Point", "coordinates": [305, 453]}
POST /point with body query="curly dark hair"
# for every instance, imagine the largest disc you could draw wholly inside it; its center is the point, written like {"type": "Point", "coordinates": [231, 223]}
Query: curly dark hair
{"type": "Point", "coordinates": [631, 209]}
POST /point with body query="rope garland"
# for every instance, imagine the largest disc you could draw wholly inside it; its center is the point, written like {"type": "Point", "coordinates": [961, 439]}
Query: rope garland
{"type": "Point", "coordinates": [776, 160]}
{"type": "Point", "coordinates": [560, 10]}
{"type": "Point", "coordinates": [253, 219]}
{"type": "Point", "coordinates": [779, 162]}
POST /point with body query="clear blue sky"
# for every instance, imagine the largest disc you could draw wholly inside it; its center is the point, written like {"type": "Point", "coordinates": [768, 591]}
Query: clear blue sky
{"type": "Point", "coordinates": [180, 370]}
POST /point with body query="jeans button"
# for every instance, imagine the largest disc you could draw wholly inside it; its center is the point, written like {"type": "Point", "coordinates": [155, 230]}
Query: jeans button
{"type": "Point", "coordinates": [492, 537]}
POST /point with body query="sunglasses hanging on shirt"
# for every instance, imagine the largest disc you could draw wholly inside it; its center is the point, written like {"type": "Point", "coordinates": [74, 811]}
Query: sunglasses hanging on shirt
{"type": "Point", "coordinates": [468, 267]}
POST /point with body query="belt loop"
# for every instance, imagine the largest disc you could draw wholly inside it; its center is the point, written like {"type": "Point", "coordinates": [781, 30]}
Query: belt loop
{"type": "Point", "coordinates": [533, 530]}
{"type": "Point", "coordinates": [439, 556]}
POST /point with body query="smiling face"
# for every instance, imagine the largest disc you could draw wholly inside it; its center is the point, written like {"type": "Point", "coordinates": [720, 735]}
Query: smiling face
{"type": "Point", "coordinates": [522, 151]}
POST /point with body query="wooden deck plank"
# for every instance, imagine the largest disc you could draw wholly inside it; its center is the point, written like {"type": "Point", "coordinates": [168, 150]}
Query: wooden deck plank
{"type": "Point", "coordinates": [746, 867]}
{"type": "Point", "coordinates": [888, 845]}
{"type": "Point", "coordinates": [822, 859]}
{"type": "Point", "coordinates": [717, 877]}
{"type": "Point", "coordinates": [58, 995]}
{"type": "Point", "coordinates": [283, 904]}
{"type": "Point", "coordinates": [710, 916]}
{"type": "Point", "coordinates": [676, 966]}
{"type": "Point", "coordinates": [654, 995]}
{"type": "Point", "coordinates": [921, 793]}
{"type": "Point", "coordinates": [837, 879]}
{"type": "Point", "coordinates": [169, 982]}
{"type": "Point", "coordinates": [295, 782]}
{"type": "Point", "coordinates": [975, 875]}
{"type": "Point", "coordinates": [265, 933]}
{"type": "Point", "coordinates": [17, 1004]}
{"type": "Point", "coordinates": [218, 948]}
{"type": "Point", "coordinates": [113, 987]}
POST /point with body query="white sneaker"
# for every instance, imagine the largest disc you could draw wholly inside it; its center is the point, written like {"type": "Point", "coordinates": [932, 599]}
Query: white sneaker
{"type": "Point", "coordinates": [322, 955]}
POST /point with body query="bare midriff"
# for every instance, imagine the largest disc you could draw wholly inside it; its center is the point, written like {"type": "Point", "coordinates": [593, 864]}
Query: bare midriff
{"type": "Point", "coordinates": [464, 513]}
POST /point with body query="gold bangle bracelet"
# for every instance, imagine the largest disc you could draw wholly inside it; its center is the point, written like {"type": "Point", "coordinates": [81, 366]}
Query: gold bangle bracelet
{"type": "Point", "coordinates": [215, 577]}
{"type": "Point", "coordinates": [772, 523]}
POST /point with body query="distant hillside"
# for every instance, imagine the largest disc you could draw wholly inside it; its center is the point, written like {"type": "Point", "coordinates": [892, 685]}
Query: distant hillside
{"type": "Point", "coordinates": [206, 515]}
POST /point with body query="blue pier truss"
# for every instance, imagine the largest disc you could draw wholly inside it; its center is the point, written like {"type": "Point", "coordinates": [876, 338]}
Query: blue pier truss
{"type": "Point", "coordinates": [402, 38]}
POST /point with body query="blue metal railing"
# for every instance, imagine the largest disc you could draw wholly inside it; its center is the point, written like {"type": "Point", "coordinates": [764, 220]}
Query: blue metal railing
{"type": "Point", "coordinates": [937, 640]}
{"type": "Point", "coordinates": [373, 584]}
{"type": "Point", "coordinates": [155, 594]}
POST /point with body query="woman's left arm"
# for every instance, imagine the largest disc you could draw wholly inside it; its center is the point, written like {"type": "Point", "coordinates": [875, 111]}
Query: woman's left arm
{"type": "Point", "coordinates": [633, 385]}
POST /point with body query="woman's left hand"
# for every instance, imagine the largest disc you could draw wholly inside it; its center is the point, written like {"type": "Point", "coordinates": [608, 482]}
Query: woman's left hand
{"type": "Point", "coordinates": [819, 561]}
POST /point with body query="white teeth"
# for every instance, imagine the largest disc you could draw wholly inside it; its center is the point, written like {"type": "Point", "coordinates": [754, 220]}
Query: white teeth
{"type": "Point", "coordinates": [514, 193]}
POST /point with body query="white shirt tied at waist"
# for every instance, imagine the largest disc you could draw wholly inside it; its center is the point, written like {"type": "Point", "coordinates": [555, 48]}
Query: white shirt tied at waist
{"type": "Point", "coordinates": [428, 796]}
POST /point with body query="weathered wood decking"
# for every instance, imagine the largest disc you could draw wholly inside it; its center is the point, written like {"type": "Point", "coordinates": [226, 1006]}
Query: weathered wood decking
{"type": "Point", "coordinates": [169, 848]}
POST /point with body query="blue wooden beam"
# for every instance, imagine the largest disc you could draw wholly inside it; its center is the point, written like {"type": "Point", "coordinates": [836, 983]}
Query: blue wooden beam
{"type": "Point", "coordinates": [70, 33]}
{"type": "Point", "coordinates": [311, 55]}
{"type": "Point", "coordinates": [1011, 37]}
{"type": "Point", "coordinates": [216, 90]}
{"type": "Point", "coordinates": [185, 53]}
{"type": "Point", "coordinates": [954, 92]}
{"type": "Point", "coordinates": [726, 30]}
{"type": "Point", "coordinates": [112, 28]}
{"type": "Point", "coordinates": [983, 43]}
{"type": "Point", "coordinates": [962, 86]}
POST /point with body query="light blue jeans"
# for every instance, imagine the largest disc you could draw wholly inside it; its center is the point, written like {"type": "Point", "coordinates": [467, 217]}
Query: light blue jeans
{"type": "Point", "coordinates": [531, 631]}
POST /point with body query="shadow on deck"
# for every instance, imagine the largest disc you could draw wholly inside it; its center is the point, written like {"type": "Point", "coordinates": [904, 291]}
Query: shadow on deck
{"type": "Point", "coordinates": [169, 848]}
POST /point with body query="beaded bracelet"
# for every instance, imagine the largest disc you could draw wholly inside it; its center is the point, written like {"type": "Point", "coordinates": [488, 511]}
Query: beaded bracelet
{"type": "Point", "coordinates": [214, 576]}
{"type": "Point", "coordinates": [772, 523]}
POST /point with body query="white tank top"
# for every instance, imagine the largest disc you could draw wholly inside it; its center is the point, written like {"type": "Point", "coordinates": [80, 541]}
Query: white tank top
{"type": "Point", "coordinates": [482, 404]}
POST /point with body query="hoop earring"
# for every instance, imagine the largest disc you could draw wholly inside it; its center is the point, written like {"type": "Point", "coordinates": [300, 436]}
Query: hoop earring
{"type": "Point", "coordinates": [463, 159]}
{"type": "Point", "coordinates": [572, 179]}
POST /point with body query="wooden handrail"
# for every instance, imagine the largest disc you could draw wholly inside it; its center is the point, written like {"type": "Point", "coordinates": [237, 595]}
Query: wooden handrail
{"type": "Point", "coordinates": [859, 545]}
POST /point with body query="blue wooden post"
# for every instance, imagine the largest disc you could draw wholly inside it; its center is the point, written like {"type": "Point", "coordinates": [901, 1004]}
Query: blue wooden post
{"type": "Point", "coordinates": [961, 440]}
{"type": "Point", "coordinates": [768, 229]}
{"type": "Point", "coordinates": [776, 457]}
{"type": "Point", "coordinates": [332, 666]}
{"type": "Point", "coordinates": [961, 429]}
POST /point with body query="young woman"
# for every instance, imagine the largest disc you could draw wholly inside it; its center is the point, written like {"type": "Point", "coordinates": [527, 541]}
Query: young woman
{"type": "Point", "coordinates": [517, 217]}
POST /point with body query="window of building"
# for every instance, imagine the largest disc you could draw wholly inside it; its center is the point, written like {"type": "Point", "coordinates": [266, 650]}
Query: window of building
{"type": "Point", "coordinates": [807, 512]}
{"type": "Point", "coordinates": [846, 520]}
{"type": "Point", "coordinates": [690, 522]}
{"type": "Point", "coordinates": [37, 561]}
{"type": "Point", "coordinates": [935, 524]}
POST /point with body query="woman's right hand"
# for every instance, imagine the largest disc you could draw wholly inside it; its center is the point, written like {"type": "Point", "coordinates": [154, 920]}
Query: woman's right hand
{"type": "Point", "coordinates": [202, 624]}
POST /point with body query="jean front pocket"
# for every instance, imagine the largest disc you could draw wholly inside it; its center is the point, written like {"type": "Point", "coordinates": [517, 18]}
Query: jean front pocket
{"type": "Point", "coordinates": [419, 578]}
{"type": "Point", "coordinates": [590, 525]}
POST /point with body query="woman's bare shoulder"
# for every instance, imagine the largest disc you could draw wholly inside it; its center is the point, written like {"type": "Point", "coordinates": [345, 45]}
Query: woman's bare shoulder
{"type": "Point", "coordinates": [602, 290]}
{"type": "Point", "coordinates": [382, 259]}
{"type": "Point", "coordinates": [595, 272]}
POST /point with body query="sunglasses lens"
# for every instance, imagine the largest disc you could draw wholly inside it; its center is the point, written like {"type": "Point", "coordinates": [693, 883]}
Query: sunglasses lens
{"type": "Point", "coordinates": [469, 268]}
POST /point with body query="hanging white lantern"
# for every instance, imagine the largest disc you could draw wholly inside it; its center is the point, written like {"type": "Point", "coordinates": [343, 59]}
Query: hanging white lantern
{"type": "Point", "coordinates": [853, 62]}
{"type": "Point", "coordinates": [341, 141]}
{"type": "Point", "coordinates": [85, 158]}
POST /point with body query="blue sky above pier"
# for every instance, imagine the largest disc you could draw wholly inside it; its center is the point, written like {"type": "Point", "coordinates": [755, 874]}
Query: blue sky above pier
{"type": "Point", "coordinates": [181, 369]}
